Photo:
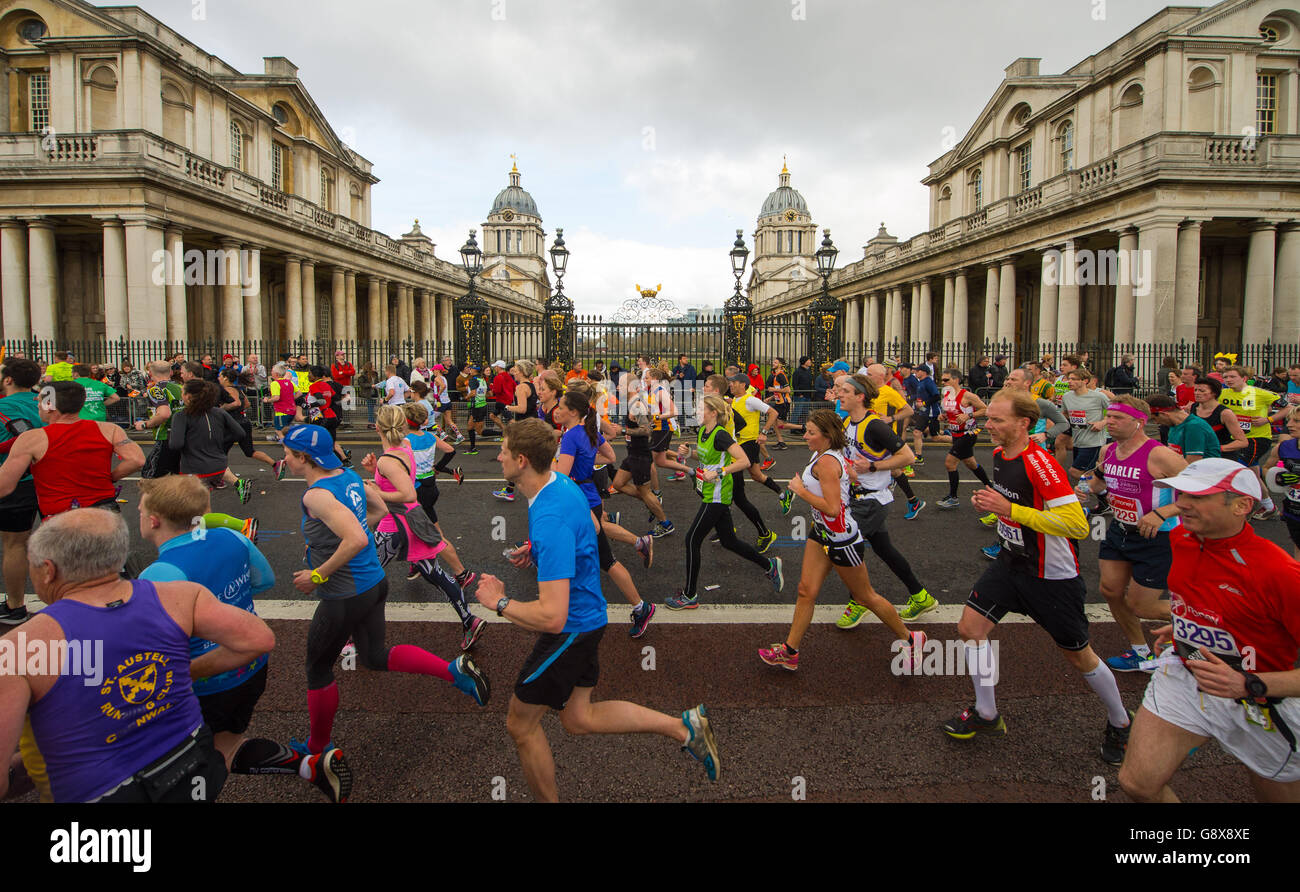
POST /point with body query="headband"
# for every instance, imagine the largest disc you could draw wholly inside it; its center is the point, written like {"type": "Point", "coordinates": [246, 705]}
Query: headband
{"type": "Point", "coordinates": [1129, 411]}
{"type": "Point", "coordinates": [857, 385]}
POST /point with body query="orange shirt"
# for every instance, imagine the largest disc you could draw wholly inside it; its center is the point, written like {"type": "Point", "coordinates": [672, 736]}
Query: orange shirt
{"type": "Point", "coordinates": [575, 373]}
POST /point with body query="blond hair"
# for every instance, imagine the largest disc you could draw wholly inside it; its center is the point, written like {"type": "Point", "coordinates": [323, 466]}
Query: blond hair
{"type": "Point", "coordinates": [390, 421]}
{"type": "Point", "coordinates": [526, 367]}
{"type": "Point", "coordinates": [174, 499]}
{"type": "Point", "coordinates": [718, 406]}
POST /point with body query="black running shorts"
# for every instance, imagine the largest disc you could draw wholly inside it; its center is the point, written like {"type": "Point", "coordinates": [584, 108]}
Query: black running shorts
{"type": "Point", "coordinates": [1293, 527]}
{"type": "Point", "coordinates": [661, 441]}
{"type": "Point", "coordinates": [963, 447]}
{"type": "Point", "coordinates": [232, 710]}
{"type": "Point", "coordinates": [1151, 558]}
{"type": "Point", "coordinates": [18, 509]}
{"type": "Point", "coordinates": [557, 665]}
{"type": "Point", "coordinates": [639, 467]}
{"type": "Point", "coordinates": [1055, 604]}
{"type": "Point", "coordinates": [869, 514]}
{"type": "Point", "coordinates": [1255, 452]}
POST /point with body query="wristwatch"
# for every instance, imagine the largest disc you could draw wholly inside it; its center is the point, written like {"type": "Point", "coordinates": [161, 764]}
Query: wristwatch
{"type": "Point", "coordinates": [872, 467]}
{"type": "Point", "coordinates": [501, 606]}
{"type": "Point", "coordinates": [1255, 687]}
{"type": "Point", "coordinates": [319, 579]}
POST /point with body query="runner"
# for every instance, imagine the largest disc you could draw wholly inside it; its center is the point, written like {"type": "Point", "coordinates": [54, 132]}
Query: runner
{"type": "Point", "coordinates": [716, 385]}
{"type": "Point", "coordinates": [426, 400]}
{"type": "Point", "coordinates": [961, 408]}
{"type": "Point", "coordinates": [1189, 435]}
{"type": "Point", "coordinates": [406, 532]}
{"type": "Point", "coordinates": [1037, 573]}
{"type": "Point", "coordinates": [281, 399]}
{"type": "Point", "coordinates": [925, 410]}
{"type": "Point", "coordinates": [19, 412]}
{"type": "Point", "coordinates": [319, 407]}
{"type": "Point", "coordinates": [836, 543]}
{"type": "Point", "coordinates": [754, 419]}
{"type": "Point", "coordinates": [163, 396]}
{"type": "Point", "coordinates": [721, 459]}
{"type": "Point", "coordinates": [1252, 406]}
{"type": "Point", "coordinates": [1086, 410]}
{"type": "Point", "coordinates": [107, 742]}
{"type": "Point", "coordinates": [1135, 553]}
{"type": "Point", "coordinates": [230, 565]}
{"type": "Point", "coordinates": [440, 397]}
{"type": "Point", "coordinates": [633, 475]}
{"type": "Point", "coordinates": [1283, 474]}
{"type": "Point", "coordinates": [477, 395]}
{"type": "Point", "coordinates": [425, 445]}
{"type": "Point", "coordinates": [503, 392]}
{"type": "Point", "coordinates": [1221, 419]}
{"type": "Point", "coordinates": [1231, 675]}
{"type": "Point", "coordinates": [891, 407]}
{"type": "Point", "coordinates": [345, 573]}
{"type": "Point", "coordinates": [235, 402]}
{"type": "Point", "coordinates": [778, 397]}
{"type": "Point", "coordinates": [664, 423]}
{"type": "Point", "coordinates": [200, 436]}
{"type": "Point", "coordinates": [70, 459]}
{"type": "Point", "coordinates": [99, 396]}
{"type": "Point", "coordinates": [875, 451]}
{"type": "Point", "coordinates": [394, 389]}
{"type": "Point", "coordinates": [525, 406]}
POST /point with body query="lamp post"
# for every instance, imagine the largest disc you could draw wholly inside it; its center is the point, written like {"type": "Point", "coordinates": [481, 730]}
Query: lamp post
{"type": "Point", "coordinates": [738, 312]}
{"type": "Point", "coordinates": [824, 312]}
{"type": "Point", "coordinates": [559, 309]}
{"type": "Point", "coordinates": [472, 313]}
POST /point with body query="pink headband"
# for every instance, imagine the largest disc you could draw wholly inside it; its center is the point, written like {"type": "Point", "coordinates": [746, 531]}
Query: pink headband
{"type": "Point", "coordinates": [1130, 411]}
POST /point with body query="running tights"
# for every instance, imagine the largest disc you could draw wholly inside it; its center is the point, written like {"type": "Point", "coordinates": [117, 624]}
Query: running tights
{"type": "Point", "coordinates": [441, 466]}
{"type": "Point", "coordinates": [393, 546]}
{"type": "Point", "coordinates": [954, 479]}
{"type": "Point", "coordinates": [884, 548]}
{"type": "Point", "coordinates": [741, 501]}
{"type": "Point", "coordinates": [711, 517]}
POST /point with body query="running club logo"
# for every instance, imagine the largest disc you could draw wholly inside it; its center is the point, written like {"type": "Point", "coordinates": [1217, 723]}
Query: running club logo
{"type": "Point", "coordinates": [138, 692]}
{"type": "Point", "coordinates": [139, 685]}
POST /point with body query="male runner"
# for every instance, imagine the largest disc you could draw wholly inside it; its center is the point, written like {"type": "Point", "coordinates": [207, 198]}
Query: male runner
{"type": "Point", "coordinates": [163, 396]}
{"type": "Point", "coordinates": [961, 408]}
{"type": "Point", "coordinates": [925, 405]}
{"type": "Point", "coordinates": [754, 420]}
{"type": "Point", "coordinates": [1135, 553]}
{"type": "Point", "coordinates": [1231, 675]}
{"type": "Point", "coordinates": [892, 408]}
{"type": "Point", "coordinates": [1036, 574]}
{"type": "Point", "coordinates": [99, 396]}
{"type": "Point", "coordinates": [1190, 435]}
{"type": "Point", "coordinates": [19, 412]}
{"type": "Point", "coordinates": [1251, 405]}
{"type": "Point", "coordinates": [570, 612]}
{"type": "Point", "coordinates": [1059, 388]}
{"type": "Point", "coordinates": [1085, 407]}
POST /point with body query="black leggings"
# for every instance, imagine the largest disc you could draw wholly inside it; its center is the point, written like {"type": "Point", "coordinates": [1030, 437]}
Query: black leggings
{"type": "Point", "coordinates": [394, 546]}
{"type": "Point", "coordinates": [744, 504]}
{"type": "Point", "coordinates": [712, 516]}
{"type": "Point", "coordinates": [894, 560]}
{"type": "Point", "coordinates": [442, 462]}
{"type": "Point", "coordinates": [602, 542]}
{"type": "Point", "coordinates": [361, 618]}
{"type": "Point", "coordinates": [427, 495]}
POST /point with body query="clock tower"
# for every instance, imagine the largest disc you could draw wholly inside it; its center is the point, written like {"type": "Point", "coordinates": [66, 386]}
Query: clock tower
{"type": "Point", "coordinates": [784, 244]}
{"type": "Point", "coordinates": [514, 243]}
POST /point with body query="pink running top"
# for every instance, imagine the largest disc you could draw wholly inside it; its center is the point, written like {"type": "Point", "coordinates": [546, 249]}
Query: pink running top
{"type": "Point", "coordinates": [1128, 480]}
{"type": "Point", "coordinates": [417, 549]}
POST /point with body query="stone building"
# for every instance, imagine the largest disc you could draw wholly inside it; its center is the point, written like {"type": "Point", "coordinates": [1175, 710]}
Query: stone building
{"type": "Point", "coordinates": [148, 190]}
{"type": "Point", "coordinates": [514, 243]}
{"type": "Point", "coordinates": [1149, 194]}
{"type": "Point", "coordinates": [784, 244]}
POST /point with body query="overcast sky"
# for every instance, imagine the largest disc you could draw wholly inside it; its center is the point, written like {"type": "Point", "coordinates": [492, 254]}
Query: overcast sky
{"type": "Point", "coordinates": [650, 130]}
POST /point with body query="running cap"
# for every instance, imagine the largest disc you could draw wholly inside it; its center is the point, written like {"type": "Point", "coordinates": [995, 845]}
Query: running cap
{"type": "Point", "coordinates": [499, 364]}
{"type": "Point", "coordinates": [739, 379]}
{"type": "Point", "coordinates": [840, 367]}
{"type": "Point", "coordinates": [1211, 475]}
{"type": "Point", "coordinates": [316, 443]}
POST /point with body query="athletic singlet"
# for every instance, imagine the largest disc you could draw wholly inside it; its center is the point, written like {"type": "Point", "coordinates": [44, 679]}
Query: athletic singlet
{"type": "Point", "coordinates": [713, 457]}
{"type": "Point", "coordinates": [406, 456]}
{"type": "Point", "coordinates": [1288, 454]}
{"type": "Point", "coordinates": [747, 419]}
{"type": "Point", "coordinates": [660, 400]}
{"type": "Point", "coordinates": [282, 393]}
{"type": "Point", "coordinates": [548, 415]}
{"type": "Point", "coordinates": [424, 446]}
{"type": "Point", "coordinates": [363, 572]}
{"type": "Point", "coordinates": [1252, 402]}
{"type": "Point", "coordinates": [530, 403]}
{"type": "Point", "coordinates": [869, 485]}
{"type": "Point", "coordinates": [77, 470]}
{"type": "Point", "coordinates": [1060, 387]}
{"type": "Point", "coordinates": [842, 529]}
{"type": "Point", "coordinates": [1215, 421]}
{"type": "Point", "coordinates": [1129, 484]}
{"type": "Point", "coordinates": [961, 419]}
{"type": "Point", "coordinates": [94, 737]}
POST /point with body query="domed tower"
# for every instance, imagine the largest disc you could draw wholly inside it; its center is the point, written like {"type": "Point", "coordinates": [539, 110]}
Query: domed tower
{"type": "Point", "coordinates": [784, 244]}
{"type": "Point", "coordinates": [514, 243]}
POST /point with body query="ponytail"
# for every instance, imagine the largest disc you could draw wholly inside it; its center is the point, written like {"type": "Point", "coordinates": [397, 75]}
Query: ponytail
{"type": "Point", "coordinates": [578, 404]}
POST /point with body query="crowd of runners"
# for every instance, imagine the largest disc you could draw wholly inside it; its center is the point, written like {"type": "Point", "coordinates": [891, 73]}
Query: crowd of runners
{"type": "Point", "coordinates": [186, 655]}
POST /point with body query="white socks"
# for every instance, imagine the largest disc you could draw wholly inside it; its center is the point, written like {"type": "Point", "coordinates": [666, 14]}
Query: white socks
{"type": "Point", "coordinates": [981, 663]}
{"type": "Point", "coordinates": [1102, 680]}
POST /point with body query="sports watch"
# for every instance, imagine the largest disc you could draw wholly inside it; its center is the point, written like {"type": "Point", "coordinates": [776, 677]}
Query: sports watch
{"type": "Point", "coordinates": [319, 579]}
{"type": "Point", "coordinates": [501, 606]}
{"type": "Point", "coordinates": [1255, 687]}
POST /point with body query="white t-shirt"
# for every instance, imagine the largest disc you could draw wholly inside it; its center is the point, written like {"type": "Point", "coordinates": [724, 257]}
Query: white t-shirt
{"type": "Point", "coordinates": [396, 390]}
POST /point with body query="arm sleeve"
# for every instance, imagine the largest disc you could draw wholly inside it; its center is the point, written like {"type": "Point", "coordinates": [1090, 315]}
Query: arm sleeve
{"type": "Point", "coordinates": [1059, 423]}
{"type": "Point", "coordinates": [176, 438]}
{"type": "Point", "coordinates": [261, 577]}
{"type": "Point", "coordinates": [881, 437]}
{"type": "Point", "coordinates": [1066, 520]}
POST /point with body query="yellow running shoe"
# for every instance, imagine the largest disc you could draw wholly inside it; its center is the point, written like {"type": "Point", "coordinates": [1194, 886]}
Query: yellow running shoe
{"type": "Point", "coordinates": [989, 520]}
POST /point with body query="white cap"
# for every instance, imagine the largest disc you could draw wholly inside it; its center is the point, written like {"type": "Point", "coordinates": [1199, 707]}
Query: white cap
{"type": "Point", "coordinates": [1211, 475]}
{"type": "Point", "coordinates": [499, 364]}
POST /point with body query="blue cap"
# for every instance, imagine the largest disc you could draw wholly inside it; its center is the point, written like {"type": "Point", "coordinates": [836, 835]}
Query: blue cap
{"type": "Point", "coordinates": [840, 367]}
{"type": "Point", "coordinates": [315, 442]}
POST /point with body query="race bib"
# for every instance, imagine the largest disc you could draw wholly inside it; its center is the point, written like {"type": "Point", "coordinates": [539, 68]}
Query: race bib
{"type": "Point", "coordinates": [1011, 533]}
{"type": "Point", "coordinates": [1126, 510]}
{"type": "Point", "coordinates": [699, 482]}
{"type": "Point", "coordinates": [1212, 639]}
{"type": "Point", "coordinates": [1078, 418]}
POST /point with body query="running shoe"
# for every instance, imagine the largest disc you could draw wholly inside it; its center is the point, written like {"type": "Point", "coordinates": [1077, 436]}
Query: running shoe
{"type": "Point", "coordinates": [700, 743]}
{"type": "Point", "coordinates": [471, 452]}
{"type": "Point", "coordinates": [678, 477]}
{"type": "Point", "coordinates": [991, 552]}
{"type": "Point", "coordinates": [663, 529]}
{"type": "Point", "coordinates": [641, 619]}
{"type": "Point", "coordinates": [763, 467]}
{"type": "Point", "coordinates": [301, 746]}
{"type": "Point", "coordinates": [920, 460]}
{"type": "Point", "coordinates": [909, 471]}
{"type": "Point", "coordinates": [645, 546]}
{"type": "Point", "coordinates": [413, 573]}
{"type": "Point", "coordinates": [969, 723]}
{"type": "Point", "coordinates": [765, 542]}
{"type": "Point", "coordinates": [281, 468]}
{"type": "Point", "coordinates": [782, 446]}
{"type": "Point", "coordinates": [459, 476]}
{"type": "Point", "coordinates": [914, 508]}
{"type": "Point", "coordinates": [989, 520]}
{"type": "Point", "coordinates": [250, 530]}
{"type": "Point", "coordinates": [787, 501]}
{"type": "Point", "coordinates": [466, 579]}
{"type": "Point", "coordinates": [776, 573]}
{"type": "Point", "coordinates": [920, 603]}
{"type": "Point", "coordinates": [14, 616]}
{"type": "Point", "coordinates": [1129, 661]}
{"type": "Point", "coordinates": [680, 601]}
{"type": "Point", "coordinates": [658, 494]}
{"type": "Point", "coordinates": [1262, 513]}
{"type": "Point", "coordinates": [331, 774]}
{"type": "Point", "coordinates": [472, 633]}
{"type": "Point", "coordinates": [504, 495]}
{"type": "Point", "coordinates": [779, 655]}
{"type": "Point", "coordinates": [715, 539]}
{"type": "Point", "coordinates": [852, 615]}
{"type": "Point", "coordinates": [950, 503]}
{"type": "Point", "coordinates": [469, 679]}
{"type": "Point", "coordinates": [349, 649]}
{"type": "Point", "coordinates": [915, 651]}
{"type": "Point", "coordinates": [244, 489]}
{"type": "Point", "coordinates": [347, 457]}
{"type": "Point", "coordinates": [1114, 742]}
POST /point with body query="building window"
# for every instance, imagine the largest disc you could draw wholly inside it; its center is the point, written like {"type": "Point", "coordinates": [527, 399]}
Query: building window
{"type": "Point", "coordinates": [1066, 137]}
{"type": "Point", "coordinates": [1025, 155]}
{"type": "Point", "coordinates": [277, 166]}
{"type": "Point", "coordinates": [39, 85]}
{"type": "Point", "coordinates": [236, 146]}
{"type": "Point", "coordinates": [1269, 33]}
{"type": "Point", "coordinates": [801, 242]}
{"type": "Point", "coordinates": [508, 241]}
{"type": "Point", "coordinates": [326, 190]}
{"type": "Point", "coordinates": [977, 190]}
{"type": "Point", "coordinates": [1266, 103]}
{"type": "Point", "coordinates": [32, 30]}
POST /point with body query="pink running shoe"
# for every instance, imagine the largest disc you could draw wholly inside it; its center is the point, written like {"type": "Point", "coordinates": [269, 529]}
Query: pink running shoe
{"type": "Point", "coordinates": [779, 655]}
{"type": "Point", "coordinates": [915, 652]}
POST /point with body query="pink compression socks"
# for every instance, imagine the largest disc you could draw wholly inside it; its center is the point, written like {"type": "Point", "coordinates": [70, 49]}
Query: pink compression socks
{"type": "Point", "coordinates": [417, 661]}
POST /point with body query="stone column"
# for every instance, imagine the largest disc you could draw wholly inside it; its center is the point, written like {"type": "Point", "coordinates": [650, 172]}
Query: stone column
{"type": "Point", "coordinates": [373, 295]}
{"type": "Point", "coordinates": [385, 323]}
{"type": "Point", "coordinates": [232, 293]}
{"type": "Point", "coordinates": [251, 270]}
{"type": "Point", "coordinates": [178, 325]}
{"type": "Point", "coordinates": [1286, 287]}
{"type": "Point", "coordinates": [1007, 301]}
{"type": "Point", "coordinates": [1067, 312]}
{"type": "Point", "coordinates": [1158, 249]}
{"type": "Point", "coordinates": [1050, 296]}
{"type": "Point", "coordinates": [338, 305]}
{"type": "Point", "coordinates": [403, 315]}
{"type": "Point", "coordinates": [925, 330]}
{"type": "Point", "coordinates": [409, 296]}
{"type": "Point", "coordinates": [961, 310]}
{"type": "Point", "coordinates": [852, 324]}
{"type": "Point", "coordinates": [1257, 315]}
{"type": "Point", "coordinates": [43, 279]}
{"type": "Point", "coordinates": [1125, 300]}
{"type": "Point", "coordinates": [115, 305]}
{"type": "Point", "coordinates": [13, 279]}
{"type": "Point", "coordinates": [145, 295]}
{"type": "Point", "coordinates": [309, 322]}
{"type": "Point", "coordinates": [293, 298]}
{"type": "Point", "coordinates": [350, 305]}
{"type": "Point", "coordinates": [426, 316]}
{"type": "Point", "coordinates": [1187, 288]}
{"type": "Point", "coordinates": [991, 288]}
{"type": "Point", "coordinates": [873, 321]}
{"type": "Point", "coordinates": [949, 290]}
{"type": "Point", "coordinates": [914, 321]}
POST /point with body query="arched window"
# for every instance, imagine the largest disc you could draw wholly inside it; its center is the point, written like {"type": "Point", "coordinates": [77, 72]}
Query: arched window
{"type": "Point", "coordinates": [1065, 146]}
{"type": "Point", "coordinates": [236, 146]}
{"type": "Point", "coordinates": [977, 190]}
{"type": "Point", "coordinates": [358, 205]}
{"type": "Point", "coordinates": [945, 205]}
{"type": "Point", "coordinates": [327, 188]}
{"type": "Point", "coordinates": [101, 88]}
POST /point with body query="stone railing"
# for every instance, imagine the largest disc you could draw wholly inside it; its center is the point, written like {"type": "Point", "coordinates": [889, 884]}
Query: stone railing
{"type": "Point", "coordinates": [1028, 201]}
{"type": "Point", "coordinates": [977, 220]}
{"type": "Point", "coordinates": [1232, 151]}
{"type": "Point", "coordinates": [274, 198]}
{"type": "Point", "coordinates": [205, 171]}
{"type": "Point", "coordinates": [72, 148]}
{"type": "Point", "coordinates": [1098, 174]}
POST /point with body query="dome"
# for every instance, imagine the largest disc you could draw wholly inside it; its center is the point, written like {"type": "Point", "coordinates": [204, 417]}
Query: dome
{"type": "Point", "coordinates": [513, 197]}
{"type": "Point", "coordinates": [784, 198]}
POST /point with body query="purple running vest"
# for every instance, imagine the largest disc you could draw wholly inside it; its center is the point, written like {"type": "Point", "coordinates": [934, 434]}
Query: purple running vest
{"type": "Point", "coordinates": [92, 738]}
{"type": "Point", "coordinates": [1131, 494]}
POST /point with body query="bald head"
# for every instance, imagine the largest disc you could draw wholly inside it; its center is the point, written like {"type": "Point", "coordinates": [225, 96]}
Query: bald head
{"type": "Point", "coordinates": [85, 544]}
{"type": "Point", "coordinates": [877, 373]}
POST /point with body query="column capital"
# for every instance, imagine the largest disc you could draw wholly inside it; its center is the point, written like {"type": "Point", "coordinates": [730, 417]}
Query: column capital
{"type": "Point", "coordinates": [1261, 225]}
{"type": "Point", "coordinates": [144, 220]}
{"type": "Point", "coordinates": [293, 258]}
{"type": "Point", "coordinates": [38, 222]}
{"type": "Point", "coordinates": [307, 261]}
{"type": "Point", "coordinates": [1289, 226]}
{"type": "Point", "coordinates": [1130, 229]}
{"type": "Point", "coordinates": [104, 219]}
{"type": "Point", "coordinates": [169, 231]}
{"type": "Point", "coordinates": [230, 244]}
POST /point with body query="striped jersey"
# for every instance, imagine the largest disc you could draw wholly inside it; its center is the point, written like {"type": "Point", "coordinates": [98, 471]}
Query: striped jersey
{"type": "Point", "coordinates": [1035, 480]}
